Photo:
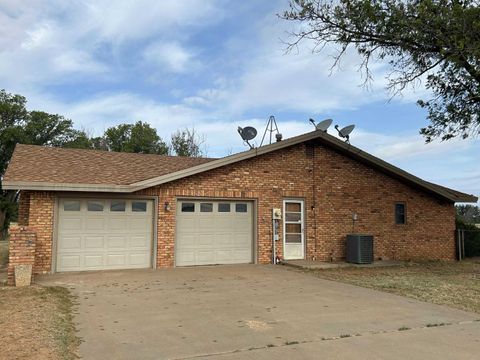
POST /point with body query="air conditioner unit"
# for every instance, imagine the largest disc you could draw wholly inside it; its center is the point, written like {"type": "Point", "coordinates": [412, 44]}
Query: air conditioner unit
{"type": "Point", "coordinates": [359, 249]}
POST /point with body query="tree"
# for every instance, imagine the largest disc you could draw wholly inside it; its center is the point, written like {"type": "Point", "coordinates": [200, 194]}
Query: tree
{"type": "Point", "coordinates": [17, 125]}
{"type": "Point", "coordinates": [468, 214]}
{"type": "Point", "coordinates": [187, 143]}
{"type": "Point", "coordinates": [436, 39]}
{"type": "Point", "coordinates": [139, 138]}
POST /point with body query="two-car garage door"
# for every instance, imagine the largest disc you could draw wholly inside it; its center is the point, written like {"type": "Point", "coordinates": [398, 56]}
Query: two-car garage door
{"type": "Point", "coordinates": [100, 234]}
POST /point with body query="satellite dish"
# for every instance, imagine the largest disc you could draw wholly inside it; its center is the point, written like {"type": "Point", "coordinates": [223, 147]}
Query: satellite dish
{"type": "Point", "coordinates": [345, 132]}
{"type": "Point", "coordinates": [247, 133]}
{"type": "Point", "coordinates": [324, 125]}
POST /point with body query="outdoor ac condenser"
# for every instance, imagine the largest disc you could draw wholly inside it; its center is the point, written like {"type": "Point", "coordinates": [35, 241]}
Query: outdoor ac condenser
{"type": "Point", "coordinates": [359, 249]}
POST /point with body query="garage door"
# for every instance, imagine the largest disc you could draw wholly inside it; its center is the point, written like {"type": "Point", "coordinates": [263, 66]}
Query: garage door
{"type": "Point", "coordinates": [100, 234]}
{"type": "Point", "coordinates": [213, 232]}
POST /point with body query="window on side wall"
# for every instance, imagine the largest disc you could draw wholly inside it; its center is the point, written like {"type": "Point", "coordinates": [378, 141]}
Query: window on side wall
{"type": "Point", "coordinates": [400, 214]}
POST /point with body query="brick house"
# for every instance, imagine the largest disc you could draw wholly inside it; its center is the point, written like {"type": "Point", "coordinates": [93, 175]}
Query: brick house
{"type": "Point", "coordinates": [94, 210]}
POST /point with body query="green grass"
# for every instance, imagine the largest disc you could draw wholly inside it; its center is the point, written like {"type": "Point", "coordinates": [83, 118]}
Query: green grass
{"type": "Point", "coordinates": [456, 284]}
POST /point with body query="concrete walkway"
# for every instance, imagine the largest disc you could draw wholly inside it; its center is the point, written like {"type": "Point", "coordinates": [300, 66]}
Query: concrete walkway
{"type": "Point", "coordinates": [257, 312]}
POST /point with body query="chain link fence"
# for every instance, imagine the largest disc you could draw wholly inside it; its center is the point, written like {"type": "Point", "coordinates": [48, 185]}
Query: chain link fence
{"type": "Point", "coordinates": [468, 243]}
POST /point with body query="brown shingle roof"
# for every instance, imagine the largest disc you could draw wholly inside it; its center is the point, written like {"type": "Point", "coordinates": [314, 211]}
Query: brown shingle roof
{"type": "Point", "coordinates": [59, 165]}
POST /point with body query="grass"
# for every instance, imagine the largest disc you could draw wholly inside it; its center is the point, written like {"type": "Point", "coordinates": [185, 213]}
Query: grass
{"type": "Point", "coordinates": [37, 323]}
{"type": "Point", "coordinates": [455, 284]}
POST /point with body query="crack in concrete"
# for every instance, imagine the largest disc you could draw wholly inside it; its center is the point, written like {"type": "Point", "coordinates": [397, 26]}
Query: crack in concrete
{"type": "Point", "coordinates": [330, 338]}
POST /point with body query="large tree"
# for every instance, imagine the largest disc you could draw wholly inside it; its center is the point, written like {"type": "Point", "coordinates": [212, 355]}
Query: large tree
{"type": "Point", "coordinates": [434, 40]}
{"type": "Point", "coordinates": [17, 125]}
{"type": "Point", "coordinates": [187, 142]}
{"type": "Point", "coordinates": [139, 138]}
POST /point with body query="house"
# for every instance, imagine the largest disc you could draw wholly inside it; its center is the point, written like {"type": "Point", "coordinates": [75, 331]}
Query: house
{"type": "Point", "coordinates": [94, 210]}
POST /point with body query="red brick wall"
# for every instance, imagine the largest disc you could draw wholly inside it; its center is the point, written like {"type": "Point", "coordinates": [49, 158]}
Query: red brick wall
{"type": "Point", "coordinates": [40, 220]}
{"type": "Point", "coordinates": [332, 185]}
{"type": "Point", "coordinates": [21, 249]}
{"type": "Point", "coordinates": [23, 208]}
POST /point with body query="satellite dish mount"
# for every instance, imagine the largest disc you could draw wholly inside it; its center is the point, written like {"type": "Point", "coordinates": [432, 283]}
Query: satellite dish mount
{"type": "Point", "coordinates": [247, 133]}
{"type": "Point", "coordinates": [345, 132]}
{"type": "Point", "coordinates": [322, 125]}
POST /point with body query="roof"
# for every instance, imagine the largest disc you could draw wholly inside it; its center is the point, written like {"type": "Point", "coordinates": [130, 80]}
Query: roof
{"type": "Point", "coordinates": [46, 168]}
{"type": "Point", "coordinates": [32, 164]}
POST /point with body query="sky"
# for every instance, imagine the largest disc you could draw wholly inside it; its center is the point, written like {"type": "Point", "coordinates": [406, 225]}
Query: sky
{"type": "Point", "coordinates": [213, 65]}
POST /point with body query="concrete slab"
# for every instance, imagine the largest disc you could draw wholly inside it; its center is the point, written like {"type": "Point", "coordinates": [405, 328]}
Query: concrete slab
{"type": "Point", "coordinates": [312, 264]}
{"type": "Point", "coordinates": [251, 311]}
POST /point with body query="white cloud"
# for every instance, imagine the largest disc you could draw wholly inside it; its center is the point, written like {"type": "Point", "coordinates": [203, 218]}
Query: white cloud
{"type": "Point", "coordinates": [170, 57]}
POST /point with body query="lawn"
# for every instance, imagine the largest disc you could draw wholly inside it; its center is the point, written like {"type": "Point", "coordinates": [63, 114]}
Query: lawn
{"type": "Point", "coordinates": [36, 323]}
{"type": "Point", "coordinates": [455, 284]}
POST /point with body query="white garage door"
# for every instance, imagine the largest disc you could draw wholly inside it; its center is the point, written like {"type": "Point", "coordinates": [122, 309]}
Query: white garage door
{"type": "Point", "coordinates": [100, 234]}
{"type": "Point", "coordinates": [213, 232]}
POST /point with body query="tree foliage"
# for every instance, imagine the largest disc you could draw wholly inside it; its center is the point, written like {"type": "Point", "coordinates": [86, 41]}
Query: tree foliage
{"type": "Point", "coordinates": [138, 138]}
{"type": "Point", "coordinates": [434, 39]}
{"type": "Point", "coordinates": [468, 214]}
{"type": "Point", "coordinates": [187, 142]}
{"type": "Point", "coordinates": [17, 125]}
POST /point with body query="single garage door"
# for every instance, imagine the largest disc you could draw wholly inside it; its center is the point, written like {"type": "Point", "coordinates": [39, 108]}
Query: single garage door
{"type": "Point", "coordinates": [213, 232]}
{"type": "Point", "coordinates": [100, 234]}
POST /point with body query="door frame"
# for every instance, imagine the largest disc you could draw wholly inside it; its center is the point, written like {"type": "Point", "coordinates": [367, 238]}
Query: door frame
{"type": "Point", "coordinates": [302, 209]}
{"type": "Point", "coordinates": [69, 195]}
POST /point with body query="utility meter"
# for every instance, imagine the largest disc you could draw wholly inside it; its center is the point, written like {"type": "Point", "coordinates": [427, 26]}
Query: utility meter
{"type": "Point", "coordinates": [277, 214]}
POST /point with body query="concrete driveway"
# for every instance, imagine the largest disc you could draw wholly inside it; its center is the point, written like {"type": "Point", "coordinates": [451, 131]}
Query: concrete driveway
{"type": "Point", "coordinates": [257, 312]}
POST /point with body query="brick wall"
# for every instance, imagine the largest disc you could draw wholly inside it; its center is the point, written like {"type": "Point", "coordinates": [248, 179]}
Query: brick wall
{"type": "Point", "coordinates": [332, 185]}
{"type": "Point", "coordinates": [40, 220]}
{"type": "Point", "coordinates": [21, 250]}
{"type": "Point", "coordinates": [23, 208]}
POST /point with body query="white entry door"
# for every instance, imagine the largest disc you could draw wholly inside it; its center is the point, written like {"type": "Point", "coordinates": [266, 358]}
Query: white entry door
{"type": "Point", "coordinates": [293, 238]}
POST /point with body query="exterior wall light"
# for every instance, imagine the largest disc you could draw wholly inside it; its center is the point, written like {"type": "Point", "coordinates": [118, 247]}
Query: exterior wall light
{"type": "Point", "coordinates": [167, 206]}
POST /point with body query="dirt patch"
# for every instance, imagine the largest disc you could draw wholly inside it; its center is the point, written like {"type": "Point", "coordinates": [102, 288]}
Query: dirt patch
{"type": "Point", "coordinates": [456, 284]}
{"type": "Point", "coordinates": [3, 254]}
{"type": "Point", "coordinates": [36, 323]}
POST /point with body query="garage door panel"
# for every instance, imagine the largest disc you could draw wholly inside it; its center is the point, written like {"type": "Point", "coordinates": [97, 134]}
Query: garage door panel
{"type": "Point", "coordinates": [92, 242]}
{"type": "Point", "coordinates": [205, 256]}
{"type": "Point", "coordinates": [139, 241]}
{"type": "Point", "coordinates": [71, 243]}
{"type": "Point", "coordinates": [97, 240]}
{"type": "Point", "coordinates": [115, 242]}
{"type": "Point", "coordinates": [93, 261]}
{"type": "Point", "coordinates": [118, 223]}
{"type": "Point", "coordinates": [70, 261]}
{"type": "Point", "coordinates": [94, 223]}
{"type": "Point", "coordinates": [116, 259]}
{"type": "Point", "coordinates": [139, 224]}
{"type": "Point", "coordinates": [71, 224]}
{"type": "Point", "coordinates": [137, 259]}
{"type": "Point", "coordinates": [204, 238]}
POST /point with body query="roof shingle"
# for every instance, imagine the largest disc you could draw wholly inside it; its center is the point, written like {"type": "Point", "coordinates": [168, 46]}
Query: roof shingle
{"type": "Point", "coordinates": [78, 166]}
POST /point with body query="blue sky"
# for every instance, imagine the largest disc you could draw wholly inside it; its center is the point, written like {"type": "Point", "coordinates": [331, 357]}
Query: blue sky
{"type": "Point", "coordinates": [212, 65]}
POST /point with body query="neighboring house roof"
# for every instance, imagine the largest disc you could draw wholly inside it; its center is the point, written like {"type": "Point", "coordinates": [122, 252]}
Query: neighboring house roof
{"type": "Point", "coordinates": [42, 168]}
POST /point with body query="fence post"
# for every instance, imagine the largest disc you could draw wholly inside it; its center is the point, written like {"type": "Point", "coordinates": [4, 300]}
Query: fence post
{"type": "Point", "coordinates": [459, 239]}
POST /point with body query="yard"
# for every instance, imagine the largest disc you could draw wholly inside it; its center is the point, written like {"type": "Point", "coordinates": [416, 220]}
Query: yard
{"type": "Point", "coordinates": [36, 321]}
{"type": "Point", "coordinates": [455, 284]}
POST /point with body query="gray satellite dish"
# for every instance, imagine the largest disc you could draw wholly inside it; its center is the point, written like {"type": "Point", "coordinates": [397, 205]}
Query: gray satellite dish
{"type": "Point", "coordinates": [247, 133]}
{"type": "Point", "coordinates": [324, 125]}
{"type": "Point", "coordinates": [345, 132]}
